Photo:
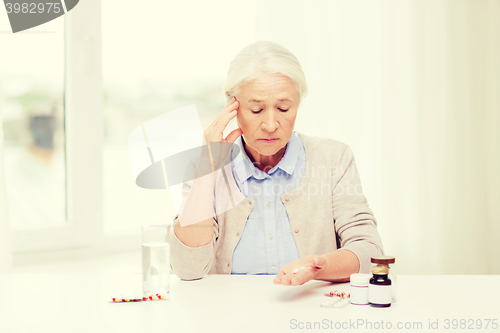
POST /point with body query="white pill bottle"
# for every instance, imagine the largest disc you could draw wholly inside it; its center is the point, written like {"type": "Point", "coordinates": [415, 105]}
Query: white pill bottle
{"type": "Point", "coordinates": [359, 288]}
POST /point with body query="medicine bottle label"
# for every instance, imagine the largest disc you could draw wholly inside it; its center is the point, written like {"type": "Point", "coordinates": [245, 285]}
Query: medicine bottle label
{"type": "Point", "coordinates": [359, 295]}
{"type": "Point", "coordinates": [380, 294]}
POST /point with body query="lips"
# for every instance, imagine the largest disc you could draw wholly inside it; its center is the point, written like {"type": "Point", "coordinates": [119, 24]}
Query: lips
{"type": "Point", "coordinates": [270, 140]}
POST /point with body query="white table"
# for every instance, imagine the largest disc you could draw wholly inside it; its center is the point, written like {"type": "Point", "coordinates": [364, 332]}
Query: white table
{"type": "Point", "coordinates": [225, 303]}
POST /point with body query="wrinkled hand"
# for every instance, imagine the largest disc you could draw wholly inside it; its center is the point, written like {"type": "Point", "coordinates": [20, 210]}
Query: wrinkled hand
{"type": "Point", "coordinates": [300, 271]}
{"type": "Point", "coordinates": [215, 147]}
{"type": "Point", "coordinates": [214, 133]}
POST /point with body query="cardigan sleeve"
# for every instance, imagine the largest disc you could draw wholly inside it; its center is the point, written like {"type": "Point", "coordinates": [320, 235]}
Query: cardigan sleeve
{"type": "Point", "coordinates": [191, 263]}
{"type": "Point", "coordinates": [355, 224]}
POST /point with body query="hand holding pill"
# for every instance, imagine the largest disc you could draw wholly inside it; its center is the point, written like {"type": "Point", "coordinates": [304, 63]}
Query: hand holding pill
{"type": "Point", "coordinates": [300, 271]}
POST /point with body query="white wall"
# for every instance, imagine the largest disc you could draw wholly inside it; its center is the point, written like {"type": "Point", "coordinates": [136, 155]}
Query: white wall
{"type": "Point", "coordinates": [413, 87]}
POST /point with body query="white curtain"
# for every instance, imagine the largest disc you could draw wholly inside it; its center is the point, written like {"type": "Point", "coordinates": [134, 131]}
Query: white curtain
{"type": "Point", "coordinates": [414, 88]}
{"type": "Point", "coordinates": [5, 242]}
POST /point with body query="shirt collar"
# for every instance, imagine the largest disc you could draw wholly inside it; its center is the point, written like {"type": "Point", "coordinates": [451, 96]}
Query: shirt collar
{"type": "Point", "coordinates": [244, 168]}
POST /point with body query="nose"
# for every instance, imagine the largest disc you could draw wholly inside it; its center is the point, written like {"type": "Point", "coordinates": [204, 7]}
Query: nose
{"type": "Point", "coordinates": [270, 123]}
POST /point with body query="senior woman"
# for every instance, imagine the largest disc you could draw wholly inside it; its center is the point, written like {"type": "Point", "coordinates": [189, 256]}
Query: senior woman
{"type": "Point", "coordinates": [301, 213]}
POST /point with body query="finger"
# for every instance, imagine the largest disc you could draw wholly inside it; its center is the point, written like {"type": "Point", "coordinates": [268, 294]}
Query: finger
{"type": "Point", "coordinates": [287, 277]}
{"type": "Point", "coordinates": [285, 280]}
{"type": "Point", "coordinates": [277, 279]}
{"type": "Point", "coordinates": [225, 117]}
{"type": "Point", "coordinates": [231, 137]}
{"type": "Point", "coordinates": [230, 106]}
{"type": "Point", "coordinates": [214, 133]}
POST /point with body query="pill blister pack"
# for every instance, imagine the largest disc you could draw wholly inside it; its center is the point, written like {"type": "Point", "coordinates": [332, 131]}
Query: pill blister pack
{"type": "Point", "coordinates": [136, 298]}
{"type": "Point", "coordinates": [335, 302]}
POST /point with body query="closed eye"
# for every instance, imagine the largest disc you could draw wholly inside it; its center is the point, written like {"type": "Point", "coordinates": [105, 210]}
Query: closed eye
{"type": "Point", "coordinates": [255, 112]}
{"type": "Point", "coordinates": [283, 110]}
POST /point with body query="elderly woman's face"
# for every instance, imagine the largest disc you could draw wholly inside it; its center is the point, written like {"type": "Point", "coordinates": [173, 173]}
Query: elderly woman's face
{"type": "Point", "coordinates": [267, 111]}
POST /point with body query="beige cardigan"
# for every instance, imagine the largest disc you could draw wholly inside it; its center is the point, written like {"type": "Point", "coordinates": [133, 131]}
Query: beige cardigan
{"type": "Point", "coordinates": [327, 211]}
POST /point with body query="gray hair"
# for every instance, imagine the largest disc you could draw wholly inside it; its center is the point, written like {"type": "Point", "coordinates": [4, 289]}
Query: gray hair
{"type": "Point", "coordinates": [263, 57]}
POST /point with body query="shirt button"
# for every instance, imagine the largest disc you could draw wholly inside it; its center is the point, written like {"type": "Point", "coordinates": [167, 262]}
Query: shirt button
{"type": "Point", "coordinates": [273, 267]}
{"type": "Point", "coordinates": [228, 265]}
{"type": "Point", "coordinates": [296, 230]}
{"type": "Point", "coordinates": [238, 235]}
{"type": "Point", "coordinates": [270, 236]}
{"type": "Point", "coordinates": [268, 204]}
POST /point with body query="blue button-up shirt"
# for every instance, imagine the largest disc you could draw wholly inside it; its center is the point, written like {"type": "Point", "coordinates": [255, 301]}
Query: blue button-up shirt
{"type": "Point", "coordinates": [267, 241]}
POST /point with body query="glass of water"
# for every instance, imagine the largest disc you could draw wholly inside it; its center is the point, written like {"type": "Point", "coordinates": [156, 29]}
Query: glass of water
{"type": "Point", "coordinates": [155, 260]}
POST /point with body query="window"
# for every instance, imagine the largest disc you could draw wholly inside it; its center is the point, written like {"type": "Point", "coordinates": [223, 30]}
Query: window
{"type": "Point", "coordinates": [51, 95]}
{"type": "Point", "coordinates": [31, 97]}
{"type": "Point", "coordinates": [168, 56]}
{"type": "Point", "coordinates": [173, 56]}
